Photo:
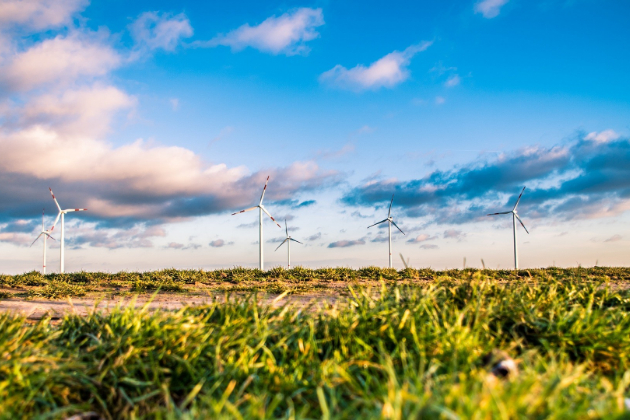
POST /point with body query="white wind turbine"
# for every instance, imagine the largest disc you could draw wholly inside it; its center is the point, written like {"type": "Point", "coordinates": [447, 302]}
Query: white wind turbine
{"type": "Point", "coordinates": [288, 241]}
{"type": "Point", "coordinates": [46, 234]}
{"type": "Point", "coordinates": [390, 221]}
{"type": "Point", "coordinates": [514, 218]}
{"type": "Point", "coordinates": [62, 214]}
{"type": "Point", "coordinates": [260, 208]}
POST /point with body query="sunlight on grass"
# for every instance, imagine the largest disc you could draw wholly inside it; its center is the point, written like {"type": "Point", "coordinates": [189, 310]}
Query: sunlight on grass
{"type": "Point", "coordinates": [388, 352]}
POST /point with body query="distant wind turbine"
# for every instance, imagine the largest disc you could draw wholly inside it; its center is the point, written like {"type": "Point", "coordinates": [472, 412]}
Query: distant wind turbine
{"type": "Point", "coordinates": [514, 218]}
{"type": "Point", "coordinates": [260, 208]}
{"type": "Point", "coordinates": [390, 221]}
{"type": "Point", "coordinates": [46, 234]}
{"type": "Point", "coordinates": [405, 263]}
{"type": "Point", "coordinates": [62, 214]}
{"type": "Point", "coordinates": [288, 241]}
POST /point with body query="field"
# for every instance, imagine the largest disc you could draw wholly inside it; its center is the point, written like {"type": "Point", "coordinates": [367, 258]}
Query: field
{"type": "Point", "coordinates": [395, 344]}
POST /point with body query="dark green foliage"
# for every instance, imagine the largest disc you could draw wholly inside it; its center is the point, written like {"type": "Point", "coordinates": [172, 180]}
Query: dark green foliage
{"type": "Point", "coordinates": [398, 352]}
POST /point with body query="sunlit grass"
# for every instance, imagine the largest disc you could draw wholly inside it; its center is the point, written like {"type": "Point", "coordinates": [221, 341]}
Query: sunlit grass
{"type": "Point", "coordinates": [277, 280]}
{"type": "Point", "coordinates": [393, 351]}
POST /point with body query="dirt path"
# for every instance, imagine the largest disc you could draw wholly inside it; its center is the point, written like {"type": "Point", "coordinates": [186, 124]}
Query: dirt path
{"type": "Point", "coordinates": [36, 309]}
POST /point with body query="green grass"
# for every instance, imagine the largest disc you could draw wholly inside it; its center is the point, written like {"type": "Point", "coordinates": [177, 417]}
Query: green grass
{"type": "Point", "coordinates": [395, 351]}
{"type": "Point", "coordinates": [277, 280]}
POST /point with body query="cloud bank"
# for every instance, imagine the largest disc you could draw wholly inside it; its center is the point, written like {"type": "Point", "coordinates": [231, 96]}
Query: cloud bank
{"type": "Point", "coordinates": [59, 106]}
{"type": "Point", "coordinates": [586, 178]}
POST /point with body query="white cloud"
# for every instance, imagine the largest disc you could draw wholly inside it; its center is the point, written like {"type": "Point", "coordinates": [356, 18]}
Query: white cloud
{"type": "Point", "coordinates": [602, 136]}
{"type": "Point", "coordinates": [140, 179]}
{"type": "Point", "coordinates": [59, 61]}
{"type": "Point", "coordinates": [453, 81]}
{"type": "Point", "coordinates": [490, 8]}
{"type": "Point", "coordinates": [16, 238]}
{"type": "Point", "coordinates": [39, 14]}
{"type": "Point", "coordinates": [155, 30]}
{"type": "Point", "coordinates": [225, 131]}
{"type": "Point", "coordinates": [439, 100]}
{"type": "Point", "coordinates": [387, 71]}
{"type": "Point", "coordinates": [174, 103]}
{"type": "Point", "coordinates": [614, 238]}
{"type": "Point", "coordinates": [136, 237]}
{"type": "Point", "coordinates": [421, 238]}
{"type": "Point", "coordinates": [285, 34]}
{"type": "Point", "coordinates": [81, 112]}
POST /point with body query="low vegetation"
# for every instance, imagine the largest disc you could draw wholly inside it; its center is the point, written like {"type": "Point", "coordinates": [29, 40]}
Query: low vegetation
{"type": "Point", "coordinates": [394, 351]}
{"type": "Point", "coordinates": [277, 280]}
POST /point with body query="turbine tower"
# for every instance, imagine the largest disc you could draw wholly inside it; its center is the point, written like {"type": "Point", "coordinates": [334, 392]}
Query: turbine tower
{"type": "Point", "coordinates": [288, 241]}
{"type": "Point", "coordinates": [62, 214]}
{"type": "Point", "coordinates": [46, 234]}
{"type": "Point", "coordinates": [514, 218]}
{"type": "Point", "coordinates": [390, 221]}
{"type": "Point", "coordinates": [260, 208]}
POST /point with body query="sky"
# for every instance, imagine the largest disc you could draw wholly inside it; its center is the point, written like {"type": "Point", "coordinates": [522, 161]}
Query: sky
{"type": "Point", "coordinates": [163, 118]}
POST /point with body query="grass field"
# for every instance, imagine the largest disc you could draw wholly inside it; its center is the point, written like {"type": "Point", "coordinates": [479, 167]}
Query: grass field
{"type": "Point", "coordinates": [411, 347]}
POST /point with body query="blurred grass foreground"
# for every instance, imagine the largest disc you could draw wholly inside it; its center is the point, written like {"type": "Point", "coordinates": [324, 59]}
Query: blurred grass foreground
{"type": "Point", "coordinates": [394, 351]}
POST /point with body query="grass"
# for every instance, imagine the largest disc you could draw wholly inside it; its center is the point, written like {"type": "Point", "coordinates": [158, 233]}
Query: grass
{"type": "Point", "coordinates": [297, 280]}
{"type": "Point", "coordinates": [395, 351]}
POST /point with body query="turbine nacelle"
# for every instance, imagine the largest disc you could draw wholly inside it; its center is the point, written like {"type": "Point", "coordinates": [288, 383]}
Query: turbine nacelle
{"type": "Point", "coordinates": [260, 234]}
{"type": "Point", "coordinates": [390, 221]}
{"type": "Point", "coordinates": [61, 215]}
{"type": "Point", "coordinates": [514, 211]}
{"type": "Point", "coordinates": [288, 238]}
{"type": "Point", "coordinates": [515, 217]}
{"type": "Point", "coordinates": [43, 231]}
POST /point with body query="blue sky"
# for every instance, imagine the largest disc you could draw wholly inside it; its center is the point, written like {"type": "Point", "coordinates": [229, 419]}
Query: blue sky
{"type": "Point", "coordinates": [163, 118]}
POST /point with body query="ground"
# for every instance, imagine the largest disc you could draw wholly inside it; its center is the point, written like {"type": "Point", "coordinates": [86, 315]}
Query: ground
{"type": "Point", "coordinates": [329, 343]}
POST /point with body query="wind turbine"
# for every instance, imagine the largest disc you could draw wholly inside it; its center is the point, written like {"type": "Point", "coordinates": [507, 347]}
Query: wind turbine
{"type": "Point", "coordinates": [260, 208]}
{"type": "Point", "coordinates": [62, 214]}
{"type": "Point", "coordinates": [46, 234]}
{"type": "Point", "coordinates": [405, 263]}
{"type": "Point", "coordinates": [514, 218]}
{"type": "Point", "coordinates": [390, 221]}
{"type": "Point", "coordinates": [288, 241]}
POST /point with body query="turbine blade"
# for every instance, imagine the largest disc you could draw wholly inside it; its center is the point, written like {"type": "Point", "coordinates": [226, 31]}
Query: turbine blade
{"type": "Point", "coordinates": [281, 244]}
{"type": "Point", "coordinates": [47, 234]}
{"type": "Point", "coordinates": [71, 210]}
{"type": "Point", "coordinates": [43, 219]}
{"type": "Point", "coordinates": [56, 220]}
{"type": "Point", "coordinates": [37, 238]}
{"type": "Point", "coordinates": [394, 223]}
{"type": "Point", "coordinates": [295, 240]}
{"type": "Point", "coordinates": [243, 211]}
{"type": "Point", "coordinates": [378, 223]}
{"type": "Point", "coordinates": [403, 260]}
{"type": "Point", "coordinates": [264, 189]}
{"type": "Point", "coordinates": [53, 196]}
{"type": "Point", "coordinates": [503, 212]}
{"type": "Point", "coordinates": [270, 216]}
{"type": "Point", "coordinates": [389, 213]}
{"type": "Point", "coordinates": [519, 199]}
{"type": "Point", "coordinates": [286, 228]}
{"type": "Point", "coordinates": [522, 224]}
